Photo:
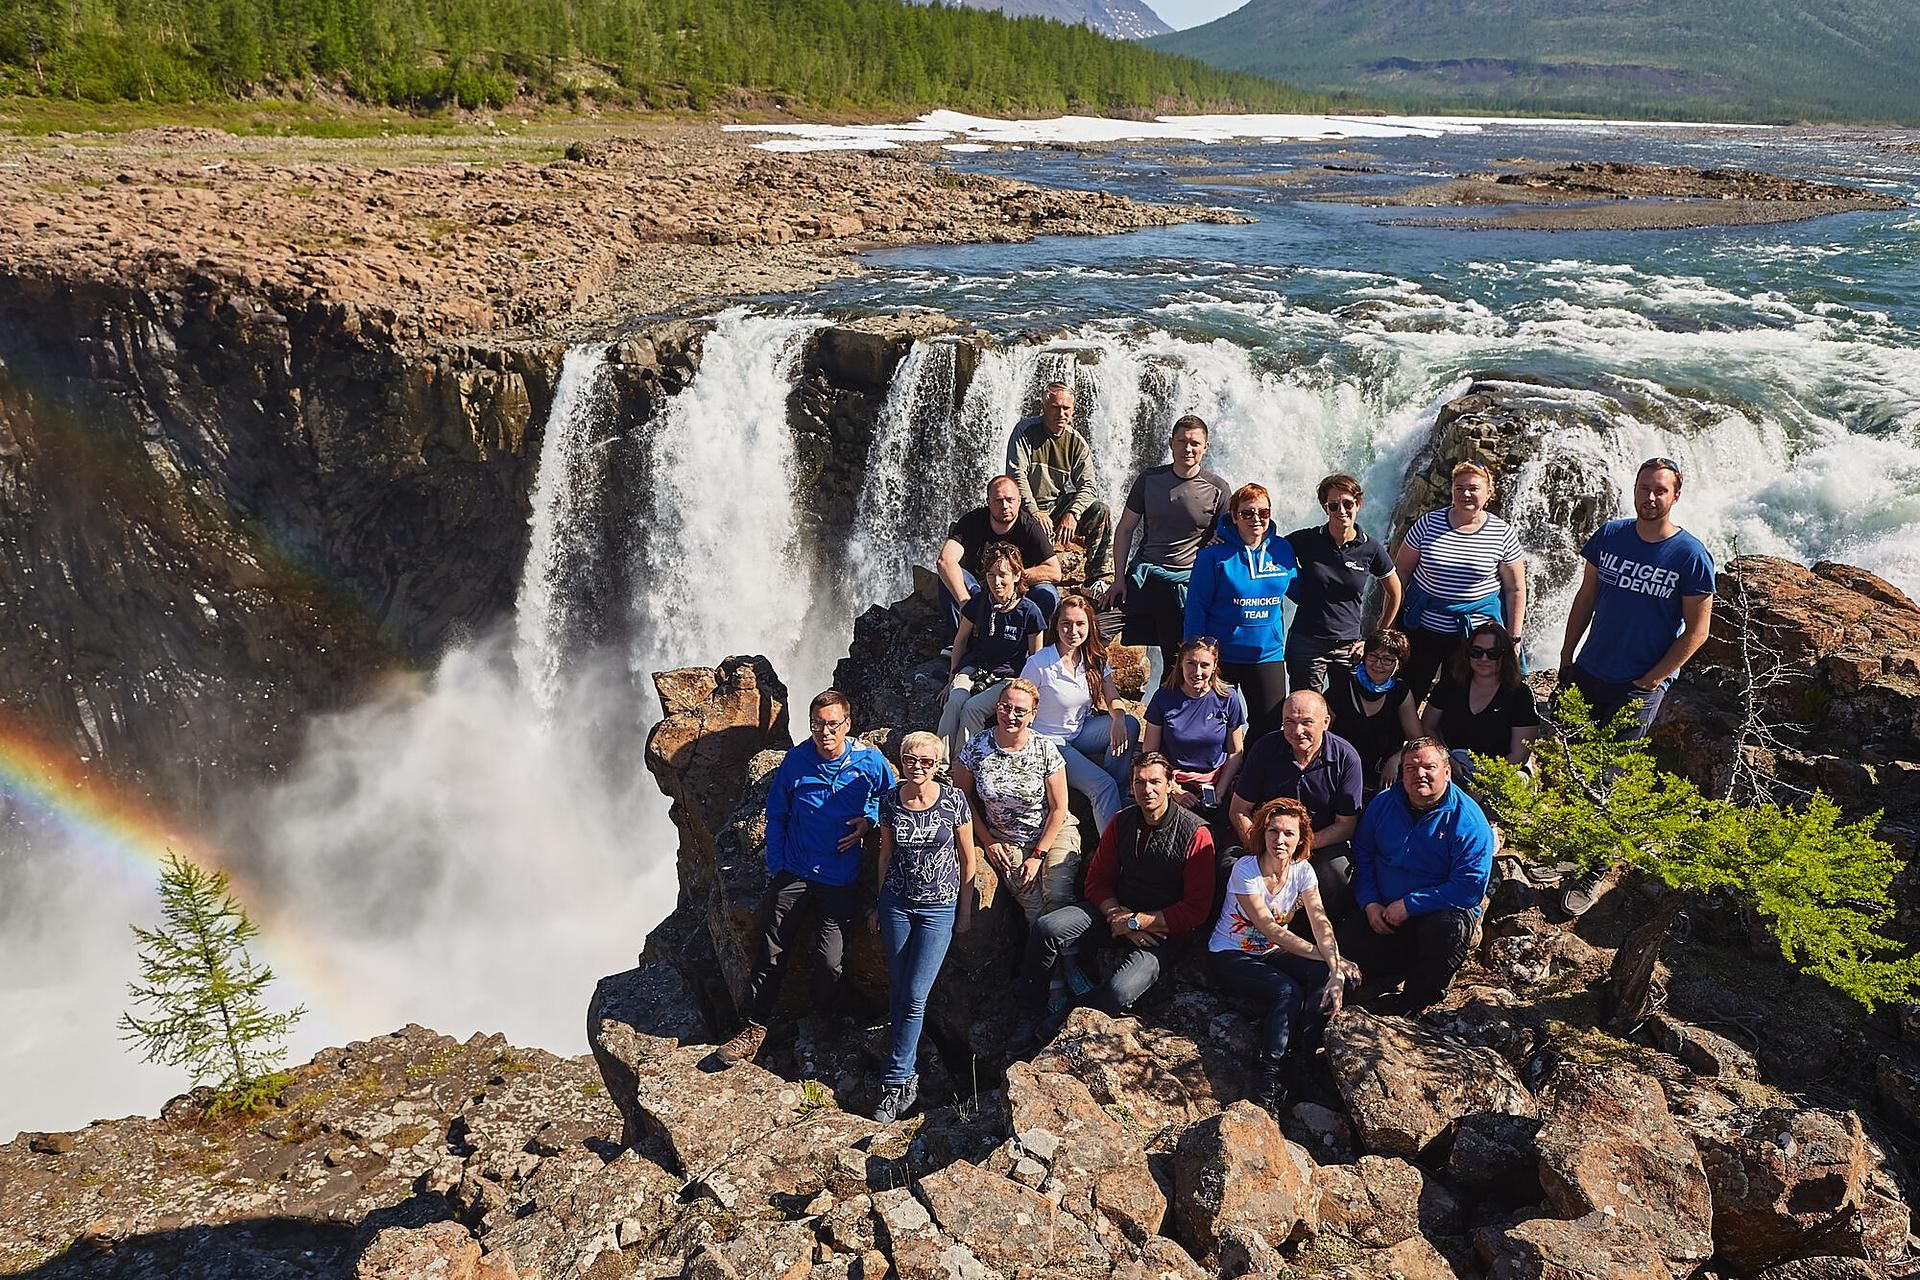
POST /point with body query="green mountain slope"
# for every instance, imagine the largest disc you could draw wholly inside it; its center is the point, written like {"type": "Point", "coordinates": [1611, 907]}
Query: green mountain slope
{"type": "Point", "coordinates": [860, 54]}
{"type": "Point", "coordinates": [1737, 59]}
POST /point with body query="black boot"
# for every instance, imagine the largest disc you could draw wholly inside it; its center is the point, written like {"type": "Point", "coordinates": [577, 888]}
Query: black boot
{"type": "Point", "coordinates": [1270, 1088]}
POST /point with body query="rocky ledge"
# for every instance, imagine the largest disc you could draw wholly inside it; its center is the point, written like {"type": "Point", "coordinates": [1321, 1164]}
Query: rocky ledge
{"type": "Point", "coordinates": [428, 239]}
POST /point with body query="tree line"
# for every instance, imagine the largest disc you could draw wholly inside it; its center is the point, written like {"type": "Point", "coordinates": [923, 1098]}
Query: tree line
{"type": "Point", "coordinates": [661, 54]}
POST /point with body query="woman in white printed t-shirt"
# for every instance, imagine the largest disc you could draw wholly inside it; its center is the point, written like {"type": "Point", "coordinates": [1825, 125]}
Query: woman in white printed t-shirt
{"type": "Point", "coordinates": [1078, 707]}
{"type": "Point", "coordinates": [1459, 566]}
{"type": "Point", "coordinates": [1253, 953]}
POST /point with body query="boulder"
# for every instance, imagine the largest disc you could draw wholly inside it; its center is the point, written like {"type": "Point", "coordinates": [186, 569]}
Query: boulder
{"type": "Point", "coordinates": [437, 1251]}
{"type": "Point", "coordinates": [1496, 1157]}
{"type": "Point", "coordinates": [1406, 1085]}
{"type": "Point", "coordinates": [1591, 1248]}
{"type": "Point", "coordinates": [1096, 1165]}
{"type": "Point", "coordinates": [1006, 1224]}
{"type": "Point", "coordinates": [1236, 1169]}
{"type": "Point", "coordinates": [1787, 1184]}
{"type": "Point", "coordinates": [1152, 1077]}
{"type": "Point", "coordinates": [1379, 1201]}
{"type": "Point", "coordinates": [1608, 1145]}
{"type": "Point", "coordinates": [757, 1251]}
{"type": "Point", "coordinates": [635, 1014]}
{"type": "Point", "coordinates": [1705, 1052]}
{"type": "Point", "coordinates": [1819, 1269]}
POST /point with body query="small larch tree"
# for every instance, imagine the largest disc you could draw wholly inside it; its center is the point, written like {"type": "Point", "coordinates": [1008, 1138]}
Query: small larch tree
{"type": "Point", "coordinates": [1820, 883]}
{"type": "Point", "coordinates": [204, 990]}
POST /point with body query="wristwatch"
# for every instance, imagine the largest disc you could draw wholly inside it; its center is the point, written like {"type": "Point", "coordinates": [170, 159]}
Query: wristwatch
{"type": "Point", "coordinates": [1133, 922]}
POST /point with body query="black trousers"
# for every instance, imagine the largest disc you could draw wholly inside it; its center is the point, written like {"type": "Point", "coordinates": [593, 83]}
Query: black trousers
{"type": "Point", "coordinates": [1426, 952]}
{"type": "Point", "coordinates": [1264, 686]}
{"type": "Point", "coordinates": [789, 901]}
{"type": "Point", "coordinates": [1430, 651]}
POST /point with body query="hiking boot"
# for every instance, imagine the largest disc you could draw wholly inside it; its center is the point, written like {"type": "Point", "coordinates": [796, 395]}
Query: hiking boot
{"type": "Point", "coordinates": [895, 1099]}
{"type": "Point", "coordinates": [1270, 1090]}
{"type": "Point", "coordinates": [1584, 890]}
{"type": "Point", "coordinates": [744, 1047]}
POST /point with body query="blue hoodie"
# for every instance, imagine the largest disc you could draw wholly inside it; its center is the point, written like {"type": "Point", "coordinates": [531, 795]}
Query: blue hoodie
{"type": "Point", "coordinates": [1234, 595]}
{"type": "Point", "coordinates": [1437, 860]}
{"type": "Point", "coordinates": [811, 802]}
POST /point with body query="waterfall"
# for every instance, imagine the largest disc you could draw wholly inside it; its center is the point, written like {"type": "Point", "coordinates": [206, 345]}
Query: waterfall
{"type": "Point", "coordinates": [568, 495]}
{"type": "Point", "coordinates": [718, 567]}
{"type": "Point", "coordinates": [914, 468]}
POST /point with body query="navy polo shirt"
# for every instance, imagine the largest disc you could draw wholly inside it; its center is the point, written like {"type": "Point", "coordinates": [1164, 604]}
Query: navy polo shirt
{"type": "Point", "coordinates": [1331, 589]}
{"type": "Point", "coordinates": [1330, 786]}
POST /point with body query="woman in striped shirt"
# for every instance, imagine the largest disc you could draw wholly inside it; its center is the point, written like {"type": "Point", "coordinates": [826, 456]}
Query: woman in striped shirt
{"type": "Point", "coordinates": [1460, 565]}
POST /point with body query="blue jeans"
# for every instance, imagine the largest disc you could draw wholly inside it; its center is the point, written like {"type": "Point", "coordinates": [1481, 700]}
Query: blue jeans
{"type": "Point", "coordinates": [1101, 778]}
{"type": "Point", "coordinates": [1609, 697]}
{"type": "Point", "coordinates": [1044, 594]}
{"type": "Point", "coordinates": [1082, 922]}
{"type": "Point", "coordinates": [915, 938]}
{"type": "Point", "coordinates": [1286, 986]}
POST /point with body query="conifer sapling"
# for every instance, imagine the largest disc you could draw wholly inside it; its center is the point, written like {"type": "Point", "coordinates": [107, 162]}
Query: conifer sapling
{"type": "Point", "coordinates": [204, 989]}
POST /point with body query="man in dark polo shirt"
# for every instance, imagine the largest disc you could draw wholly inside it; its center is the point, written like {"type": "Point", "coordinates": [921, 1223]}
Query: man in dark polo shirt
{"type": "Point", "coordinates": [1337, 561]}
{"type": "Point", "coordinates": [1001, 520]}
{"type": "Point", "coordinates": [1323, 772]}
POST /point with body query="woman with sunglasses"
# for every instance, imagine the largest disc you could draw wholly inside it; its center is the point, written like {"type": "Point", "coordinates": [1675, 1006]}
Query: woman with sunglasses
{"type": "Point", "coordinates": [1079, 706]}
{"type": "Point", "coordinates": [1373, 709]}
{"type": "Point", "coordinates": [1337, 560]}
{"type": "Point", "coordinates": [1236, 593]}
{"type": "Point", "coordinates": [1198, 721]}
{"type": "Point", "coordinates": [926, 897]}
{"type": "Point", "coordinates": [1016, 783]}
{"type": "Point", "coordinates": [1483, 705]}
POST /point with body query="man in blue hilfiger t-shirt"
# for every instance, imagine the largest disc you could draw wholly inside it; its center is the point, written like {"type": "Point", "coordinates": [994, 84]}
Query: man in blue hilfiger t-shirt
{"type": "Point", "coordinates": [1647, 590]}
{"type": "Point", "coordinates": [824, 798]}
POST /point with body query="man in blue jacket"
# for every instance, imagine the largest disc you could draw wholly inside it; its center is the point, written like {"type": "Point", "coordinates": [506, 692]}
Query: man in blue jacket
{"type": "Point", "coordinates": [1421, 859]}
{"type": "Point", "coordinates": [824, 798]}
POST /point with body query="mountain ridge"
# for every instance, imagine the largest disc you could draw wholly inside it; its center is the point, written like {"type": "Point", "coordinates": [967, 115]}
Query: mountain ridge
{"type": "Point", "coordinates": [1694, 59]}
{"type": "Point", "coordinates": [1124, 19]}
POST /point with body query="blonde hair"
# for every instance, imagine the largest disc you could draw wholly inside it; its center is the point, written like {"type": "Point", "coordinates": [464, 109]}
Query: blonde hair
{"type": "Point", "coordinates": [931, 743]}
{"type": "Point", "coordinates": [1020, 684]}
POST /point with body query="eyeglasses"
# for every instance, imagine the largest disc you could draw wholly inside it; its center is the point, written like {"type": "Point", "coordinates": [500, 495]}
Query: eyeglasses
{"type": "Point", "coordinates": [1343, 504]}
{"type": "Point", "coordinates": [828, 726]}
{"type": "Point", "coordinates": [1015, 713]}
{"type": "Point", "coordinates": [1480, 651]}
{"type": "Point", "coordinates": [1256, 513]}
{"type": "Point", "coordinates": [917, 762]}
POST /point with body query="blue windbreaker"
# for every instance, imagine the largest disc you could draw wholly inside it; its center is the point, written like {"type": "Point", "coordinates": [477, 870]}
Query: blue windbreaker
{"type": "Point", "coordinates": [1435, 860]}
{"type": "Point", "coordinates": [811, 802]}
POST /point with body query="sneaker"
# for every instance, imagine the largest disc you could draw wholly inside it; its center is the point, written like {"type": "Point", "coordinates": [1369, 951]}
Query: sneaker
{"type": "Point", "coordinates": [946, 651]}
{"type": "Point", "coordinates": [744, 1047]}
{"type": "Point", "coordinates": [1077, 980]}
{"type": "Point", "coordinates": [1584, 890]}
{"type": "Point", "coordinates": [895, 1099]}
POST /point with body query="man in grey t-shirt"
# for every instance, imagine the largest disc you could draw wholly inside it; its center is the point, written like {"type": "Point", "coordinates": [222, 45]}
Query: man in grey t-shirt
{"type": "Point", "coordinates": [1176, 508]}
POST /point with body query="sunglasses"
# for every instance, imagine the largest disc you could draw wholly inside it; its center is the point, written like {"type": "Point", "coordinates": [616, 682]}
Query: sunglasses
{"type": "Point", "coordinates": [1661, 464]}
{"type": "Point", "coordinates": [1479, 651]}
{"type": "Point", "coordinates": [1256, 513]}
{"type": "Point", "coordinates": [1343, 504]}
{"type": "Point", "coordinates": [917, 762]}
{"type": "Point", "coordinates": [1015, 713]}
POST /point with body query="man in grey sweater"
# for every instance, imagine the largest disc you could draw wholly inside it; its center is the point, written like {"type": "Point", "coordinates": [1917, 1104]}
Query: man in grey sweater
{"type": "Point", "coordinates": [1053, 465]}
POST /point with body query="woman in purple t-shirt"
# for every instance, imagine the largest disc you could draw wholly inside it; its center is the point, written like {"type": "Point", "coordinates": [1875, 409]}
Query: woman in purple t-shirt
{"type": "Point", "coordinates": [1199, 722]}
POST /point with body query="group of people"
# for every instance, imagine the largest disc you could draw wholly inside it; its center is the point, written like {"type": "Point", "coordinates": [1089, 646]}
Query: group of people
{"type": "Point", "coordinates": [1300, 794]}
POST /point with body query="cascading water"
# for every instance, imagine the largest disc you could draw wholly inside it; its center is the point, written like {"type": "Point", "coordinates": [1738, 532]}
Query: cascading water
{"type": "Point", "coordinates": [568, 495]}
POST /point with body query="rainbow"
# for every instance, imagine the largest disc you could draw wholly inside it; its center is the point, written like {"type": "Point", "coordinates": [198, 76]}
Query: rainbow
{"type": "Point", "coordinates": [132, 838]}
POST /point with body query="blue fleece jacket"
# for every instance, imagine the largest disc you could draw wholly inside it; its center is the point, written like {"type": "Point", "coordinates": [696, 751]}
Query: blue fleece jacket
{"type": "Point", "coordinates": [811, 802]}
{"type": "Point", "coordinates": [1234, 595]}
{"type": "Point", "coordinates": [1435, 860]}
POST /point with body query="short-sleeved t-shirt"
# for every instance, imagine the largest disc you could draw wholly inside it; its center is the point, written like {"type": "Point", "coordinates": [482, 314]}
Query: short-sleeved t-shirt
{"type": "Point", "coordinates": [1194, 731]}
{"type": "Point", "coordinates": [925, 867]}
{"type": "Point", "coordinates": [1012, 785]}
{"type": "Point", "coordinates": [1638, 610]}
{"type": "Point", "coordinates": [1066, 697]}
{"type": "Point", "coordinates": [1375, 736]}
{"type": "Point", "coordinates": [974, 531]}
{"type": "Point", "coordinates": [1489, 733]}
{"type": "Point", "coordinates": [1331, 786]}
{"type": "Point", "coordinates": [998, 645]}
{"type": "Point", "coordinates": [1176, 515]}
{"type": "Point", "coordinates": [1233, 931]}
{"type": "Point", "coordinates": [1456, 566]}
{"type": "Point", "coordinates": [1331, 589]}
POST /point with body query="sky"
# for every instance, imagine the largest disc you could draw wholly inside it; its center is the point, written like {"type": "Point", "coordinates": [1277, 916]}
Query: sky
{"type": "Point", "coordinates": [1181, 14]}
